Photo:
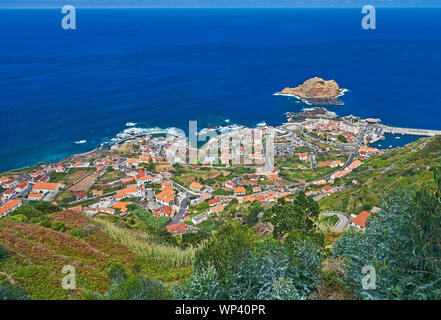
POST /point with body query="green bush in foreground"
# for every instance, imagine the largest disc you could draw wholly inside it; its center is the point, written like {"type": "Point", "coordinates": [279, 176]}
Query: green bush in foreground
{"type": "Point", "coordinates": [3, 254]}
{"type": "Point", "coordinates": [11, 292]}
{"type": "Point", "coordinates": [237, 265]}
{"type": "Point", "coordinates": [402, 243]}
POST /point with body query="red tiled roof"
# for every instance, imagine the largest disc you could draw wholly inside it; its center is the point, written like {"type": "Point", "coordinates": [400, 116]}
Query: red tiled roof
{"type": "Point", "coordinates": [361, 218]}
{"type": "Point", "coordinates": [178, 227]}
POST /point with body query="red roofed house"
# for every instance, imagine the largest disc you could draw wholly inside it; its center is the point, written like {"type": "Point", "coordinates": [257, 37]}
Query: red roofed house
{"type": "Point", "coordinates": [22, 186]}
{"type": "Point", "coordinates": [214, 201]}
{"type": "Point", "coordinates": [177, 228]}
{"type": "Point", "coordinates": [45, 187]}
{"type": "Point", "coordinates": [303, 156]}
{"type": "Point", "coordinates": [327, 189]}
{"type": "Point", "coordinates": [239, 191]}
{"type": "Point", "coordinates": [9, 206]}
{"type": "Point", "coordinates": [195, 186]}
{"type": "Point", "coordinates": [360, 220]}
{"type": "Point", "coordinates": [81, 195]}
{"type": "Point", "coordinates": [8, 194]}
{"type": "Point", "coordinates": [10, 183]}
{"type": "Point", "coordinates": [229, 184]}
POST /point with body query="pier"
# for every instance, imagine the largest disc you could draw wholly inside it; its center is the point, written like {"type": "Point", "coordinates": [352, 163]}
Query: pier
{"type": "Point", "coordinates": [410, 131]}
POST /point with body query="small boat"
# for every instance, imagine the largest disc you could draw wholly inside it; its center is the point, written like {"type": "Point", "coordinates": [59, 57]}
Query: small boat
{"type": "Point", "coordinates": [227, 120]}
{"type": "Point", "coordinates": [261, 124]}
{"type": "Point", "coordinates": [397, 138]}
{"type": "Point", "coordinates": [80, 141]}
{"type": "Point", "coordinates": [130, 124]}
{"type": "Point", "coordinates": [390, 146]}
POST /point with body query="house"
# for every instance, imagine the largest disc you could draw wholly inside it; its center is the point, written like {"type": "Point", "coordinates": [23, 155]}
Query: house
{"type": "Point", "coordinates": [339, 174]}
{"type": "Point", "coordinates": [177, 228]}
{"type": "Point", "coordinates": [327, 189]}
{"type": "Point", "coordinates": [199, 218]}
{"type": "Point", "coordinates": [273, 177]}
{"type": "Point", "coordinates": [360, 220]}
{"type": "Point", "coordinates": [97, 193]}
{"type": "Point", "coordinates": [121, 205]}
{"type": "Point", "coordinates": [167, 183]}
{"type": "Point", "coordinates": [214, 201]}
{"type": "Point", "coordinates": [355, 164]}
{"type": "Point", "coordinates": [9, 184]}
{"type": "Point", "coordinates": [229, 184]}
{"type": "Point", "coordinates": [367, 151]}
{"type": "Point", "coordinates": [257, 189]}
{"type": "Point", "coordinates": [165, 197]}
{"type": "Point", "coordinates": [166, 211]}
{"type": "Point", "coordinates": [35, 196]}
{"type": "Point", "coordinates": [303, 156]}
{"type": "Point", "coordinates": [129, 191]}
{"type": "Point", "coordinates": [206, 196]}
{"type": "Point", "coordinates": [216, 209]}
{"type": "Point", "coordinates": [9, 206]}
{"type": "Point", "coordinates": [336, 163]}
{"type": "Point", "coordinates": [239, 191]}
{"type": "Point", "coordinates": [37, 173]}
{"type": "Point", "coordinates": [59, 169]}
{"type": "Point", "coordinates": [8, 194]}
{"type": "Point", "coordinates": [3, 179]}
{"type": "Point", "coordinates": [46, 187]}
{"type": "Point", "coordinates": [81, 196]}
{"type": "Point", "coordinates": [127, 180]}
{"type": "Point", "coordinates": [319, 182]}
{"type": "Point", "coordinates": [22, 187]}
{"type": "Point", "coordinates": [132, 162]}
{"type": "Point", "coordinates": [195, 186]}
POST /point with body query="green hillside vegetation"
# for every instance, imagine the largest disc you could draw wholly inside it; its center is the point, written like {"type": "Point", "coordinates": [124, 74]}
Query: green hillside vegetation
{"type": "Point", "coordinates": [400, 167]}
{"type": "Point", "coordinates": [34, 254]}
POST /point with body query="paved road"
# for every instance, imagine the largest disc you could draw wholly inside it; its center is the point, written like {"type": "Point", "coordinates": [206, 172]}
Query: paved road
{"type": "Point", "coordinates": [343, 220]}
{"type": "Point", "coordinates": [180, 214]}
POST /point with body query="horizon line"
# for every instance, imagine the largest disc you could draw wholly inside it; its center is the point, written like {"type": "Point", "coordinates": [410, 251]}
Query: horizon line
{"type": "Point", "coordinates": [231, 7]}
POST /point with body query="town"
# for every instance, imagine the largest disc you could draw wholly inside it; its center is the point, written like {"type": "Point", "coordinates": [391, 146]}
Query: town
{"type": "Point", "coordinates": [163, 175]}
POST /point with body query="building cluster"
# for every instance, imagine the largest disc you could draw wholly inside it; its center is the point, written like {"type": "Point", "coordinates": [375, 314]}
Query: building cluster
{"type": "Point", "coordinates": [332, 129]}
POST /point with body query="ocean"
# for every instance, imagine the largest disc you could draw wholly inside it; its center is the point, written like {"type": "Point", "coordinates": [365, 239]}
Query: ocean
{"type": "Point", "coordinates": [164, 67]}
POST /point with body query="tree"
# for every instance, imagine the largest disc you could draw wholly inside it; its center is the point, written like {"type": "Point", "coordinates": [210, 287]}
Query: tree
{"type": "Point", "coordinates": [342, 138]}
{"type": "Point", "coordinates": [3, 254]}
{"type": "Point", "coordinates": [402, 242]}
{"type": "Point", "coordinates": [300, 215]}
{"type": "Point", "coordinates": [11, 292]}
{"type": "Point", "coordinates": [236, 264]}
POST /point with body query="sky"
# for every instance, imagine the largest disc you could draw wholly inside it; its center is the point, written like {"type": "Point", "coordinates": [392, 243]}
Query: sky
{"type": "Point", "coordinates": [215, 3]}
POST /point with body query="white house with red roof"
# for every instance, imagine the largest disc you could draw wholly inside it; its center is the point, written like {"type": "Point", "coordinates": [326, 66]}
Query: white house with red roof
{"type": "Point", "coordinates": [360, 220]}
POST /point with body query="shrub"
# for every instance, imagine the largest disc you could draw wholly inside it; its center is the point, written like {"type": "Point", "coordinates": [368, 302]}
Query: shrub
{"type": "Point", "coordinates": [11, 292]}
{"type": "Point", "coordinates": [58, 226]}
{"type": "Point", "coordinates": [3, 254]}
{"type": "Point", "coordinates": [402, 243]}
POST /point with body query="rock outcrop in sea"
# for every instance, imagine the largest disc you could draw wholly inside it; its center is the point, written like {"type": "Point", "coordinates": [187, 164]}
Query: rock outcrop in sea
{"type": "Point", "coordinates": [316, 91]}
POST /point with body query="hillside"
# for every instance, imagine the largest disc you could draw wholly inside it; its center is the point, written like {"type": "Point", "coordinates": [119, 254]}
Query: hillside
{"type": "Point", "coordinates": [36, 255]}
{"type": "Point", "coordinates": [405, 167]}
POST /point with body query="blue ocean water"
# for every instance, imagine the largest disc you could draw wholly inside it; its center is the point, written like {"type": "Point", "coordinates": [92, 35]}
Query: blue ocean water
{"type": "Point", "coordinates": [164, 67]}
